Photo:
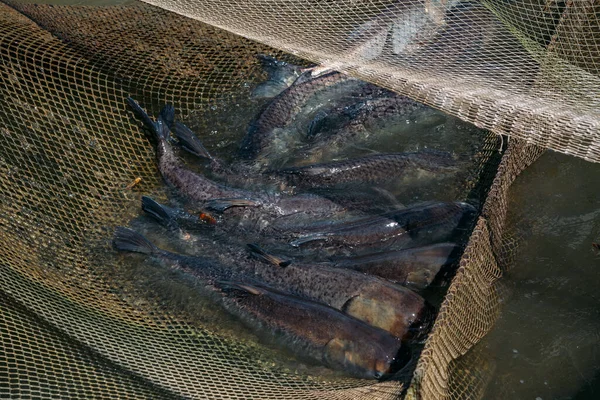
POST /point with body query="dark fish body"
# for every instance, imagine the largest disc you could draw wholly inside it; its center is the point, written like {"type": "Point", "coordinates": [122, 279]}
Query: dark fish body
{"type": "Point", "coordinates": [281, 111]}
{"type": "Point", "coordinates": [194, 186]}
{"type": "Point", "coordinates": [417, 225]}
{"type": "Point", "coordinates": [314, 331]}
{"type": "Point", "coordinates": [176, 219]}
{"type": "Point", "coordinates": [391, 307]}
{"type": "Point", "coordinates": [307, 328]}
{"type": "Point", "coordinates": [364, 231]}
{"type": "Point", "coordinates": [415, 267]}
{"type": "Point", "coordinates": [371, 169]}
{"type": "Point", "coordinates": [371, 112]}
{"type": "Point", "coordinates": [205, 269]}
{"type": "Point", "coordinates": [200, 189]}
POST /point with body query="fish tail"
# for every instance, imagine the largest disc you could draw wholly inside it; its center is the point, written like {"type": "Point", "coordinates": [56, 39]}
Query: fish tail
{"type": "Point", "coordinates": [156, 210]}
{"type": "Point", "coordinates": [126, 239]}
{"type": "Point", "coordinates": [270, 258]}
{"type": "Point", "coordinates": [160, 128]}
{"type": "Point", "coordinates": [167, 115]}
{"type": "Point", "coordinates": [190, 142]}
{"type": "Point", "coordinates": [315, 126]}
{"type": "Point", "coordinates": [165, 122]}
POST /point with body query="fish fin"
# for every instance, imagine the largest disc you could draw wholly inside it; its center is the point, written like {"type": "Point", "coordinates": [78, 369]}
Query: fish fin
{"type": "Point", "coordinates": [190, 142]}
{"type": "Point", "coordinates": [309, 238]}
{"type": "Point", "coordinates": [316, 124]}
{"type": "Point", "coordinates": [223, 204]}
{"type": "Point", "coordinates": [308, 170]}
{"type": "Point", "coordinates": [141, 114]}
{"type": "Point", "coordinates": [268, 90]}
{"type": "Point", "coordinates": [167, 114]}
{"type": "Point", "coordinates": [318, 70]}
{"type": "Point", "coordinates": [156, 210]}
{"type": "Point", "coordinates": [243, 287]}
{"type": "Point", "coordinates": [389, 196]}
{"type": "Point", "coordinates": [334, 352]}
{"type": "Point", "coordinates": [270, 258]}
{"type": "Point", "coordinates": [162, 130]}
{"type": "Point", "coordinates": [159, 128]}
{"type": "Point", "coordinates": [126, 239]}
{"type": "Point", "coordinates": [270, 64]}
{"type": "Point", "coordinates": [347, 306]}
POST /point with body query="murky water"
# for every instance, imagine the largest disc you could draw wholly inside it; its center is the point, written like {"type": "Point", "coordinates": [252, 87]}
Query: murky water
{"type": "Point", "coordinates": [545, 344]}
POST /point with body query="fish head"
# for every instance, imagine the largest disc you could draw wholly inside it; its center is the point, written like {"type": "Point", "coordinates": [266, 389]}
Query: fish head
{"type": "Point", "coordinates": [366, 360]}
{"type": "Point", "coordinates": [377, 310]}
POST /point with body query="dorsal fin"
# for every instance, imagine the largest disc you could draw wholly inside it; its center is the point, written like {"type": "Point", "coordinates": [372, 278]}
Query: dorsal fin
{"type": "Point", "coordinates": [270, 258]}
{"type": "Point", "coordinates": [223, 204]}
{"type": "Point", "coordinates": [244, 287]}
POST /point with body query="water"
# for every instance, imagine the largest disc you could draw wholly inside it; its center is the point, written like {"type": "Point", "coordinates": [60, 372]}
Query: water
{"type": "Point", "coordinates": [545, 344]}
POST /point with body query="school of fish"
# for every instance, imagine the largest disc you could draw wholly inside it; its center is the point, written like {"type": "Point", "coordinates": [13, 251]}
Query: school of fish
{"type": "Point", "coordinates": [322, 275]}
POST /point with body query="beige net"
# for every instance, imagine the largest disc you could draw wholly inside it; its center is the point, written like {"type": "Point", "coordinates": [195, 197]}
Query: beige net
{"type": "Point", "coordinates": [522, 68]}
{"type": "Point", "coordinates": [76, 324]}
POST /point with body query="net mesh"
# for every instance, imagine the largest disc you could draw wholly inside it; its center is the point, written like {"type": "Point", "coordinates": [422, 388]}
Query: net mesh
{"type": "Point", "coordinates": [528, 69]}
{"type": "Point", "coordinates": [74, 324]}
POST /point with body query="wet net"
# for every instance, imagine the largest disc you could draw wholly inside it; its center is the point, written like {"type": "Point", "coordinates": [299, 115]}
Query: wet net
{"type": "Point", "coordinates": [75, 324]}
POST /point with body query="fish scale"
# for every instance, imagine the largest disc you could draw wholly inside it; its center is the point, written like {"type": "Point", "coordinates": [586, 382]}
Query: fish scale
{"type": "Point", "coordinates": [361, 296]}
{"type": "Point", "coordinates": [371, 169]}
{"type": "Point", "coordinates": [204, 191]}
{"type": "Point", "coordinates": [315, 331]}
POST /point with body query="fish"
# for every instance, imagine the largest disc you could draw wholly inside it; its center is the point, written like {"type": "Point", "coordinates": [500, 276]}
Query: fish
{"type": "Point", "coordinates": [193, 185]}
{"type": "Point", "coordinates": [280, 76]}
{"type": "Point", "coordinates": [259, 139]}
{"type": "Point", "coordinates": [376, 168]}
{"type": "Point", "coordinates": [383, 304]}
{"type": "Point", "coordinates": [414, 267]}
{"type": "Point", "coordinates": [372, 111]}
{"type": "Point", "coordinates": [315, 331]}
{"type": "Point", "coordinates": [307, 328]}
{"type": "Point", "coordinates": [212, 195]}
{"type": "Point", "coordinates": [409, 227]}
{"type": "Point", "coordinates": [376, 301]}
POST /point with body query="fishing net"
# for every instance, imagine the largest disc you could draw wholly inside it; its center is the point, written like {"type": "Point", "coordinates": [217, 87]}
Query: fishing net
{"type": "Point", "coordinates": [76, 324]}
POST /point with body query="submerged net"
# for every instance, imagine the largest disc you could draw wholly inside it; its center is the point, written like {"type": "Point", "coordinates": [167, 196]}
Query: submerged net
{"type": "Point", "coordinates": [76, 324]}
